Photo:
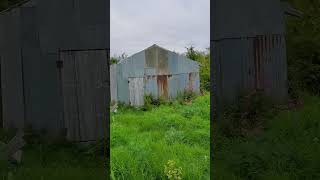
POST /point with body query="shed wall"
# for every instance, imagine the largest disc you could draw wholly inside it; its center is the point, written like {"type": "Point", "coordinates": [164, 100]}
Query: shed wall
{"type": "Point", "coordinates": [113, 82]}
{"type": "Point", "coordinates": [246, 18]}
{"type": "Point", "coordinates": [80, 24]}
{"type": "Point", "coordinates": [164, 73]}
{"type": "Point", "coordinates": [255, 63]}
{"type": "Point", "coordinates": [30, 40]}
{"type": "Point", "coordinates": [11, 70]}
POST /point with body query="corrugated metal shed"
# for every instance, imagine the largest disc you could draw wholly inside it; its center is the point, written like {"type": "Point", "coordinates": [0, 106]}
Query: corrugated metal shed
{"type": "Point", "coordinates": [16, 42]}
{"type": "Point", "coordinates": [246, 18]}
{"type": "Point", "coordinates": [38, 41]}
{"type": "Point", "coordinates": [154, 71]}
{"type": "Point", "coordinates": [249, 49]}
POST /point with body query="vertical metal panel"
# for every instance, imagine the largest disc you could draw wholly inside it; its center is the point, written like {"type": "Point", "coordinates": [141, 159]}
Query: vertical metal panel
{"type": "Point", "coordinates": [163, 64]}
{"type": "Point", "coordinates": [85, 94]}
{"type": "Point", "coordinates": [151, 86]}
{"type": "Point", "coordinates": [174, 84]}
{"type": "Point", "coordinates": [113, 82]}
{"type": "Point", "coordinates": [173, 63]}
{"type": "Point", "coordinates": [31, 62]}
{"type": "Point", "coordinates": [70, 93]}
{"type": "Point", "coordinates": [162, 85]}
{"type": "Point", "coordinates": [92, 93]}
{"type": "Point", "coordinates": [136, 91]}
{"type": "Point", "coordinates": [255, 63]}
{"type": "Point", "coordinates": [11, 70]}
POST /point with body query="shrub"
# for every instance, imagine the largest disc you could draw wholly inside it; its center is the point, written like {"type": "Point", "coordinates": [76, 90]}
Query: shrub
{"type": "Point", "coordinates": [303, 46]}
{"type": "Point", "coordinates": [203, 58]}
{"type": "Point", "coordinates": [151, 101]}
{"type": "Point", "coordinates": [186, 96]}
{"type": "Point", "coordinates": [246, 115]}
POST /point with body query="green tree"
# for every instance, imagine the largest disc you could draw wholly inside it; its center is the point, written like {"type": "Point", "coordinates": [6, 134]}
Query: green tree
{"type": "Point", "coordinates": [203, 58]}
{"type": "Point", "coordinates": [303, 47]}
{"type": "Point", "coordinates": [115, 59]}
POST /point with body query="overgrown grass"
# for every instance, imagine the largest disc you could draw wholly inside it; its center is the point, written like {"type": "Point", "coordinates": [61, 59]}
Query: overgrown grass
{"type": "Point", "coordinates": [144, 142]}
{"type": "Point", "coordinates": [44, 161]}
{"type": "Point", "coordinates": [288, 148]}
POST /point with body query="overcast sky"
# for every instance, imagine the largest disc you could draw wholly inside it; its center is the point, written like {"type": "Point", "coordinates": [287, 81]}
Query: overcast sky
{"type": "Point", "coordinates": [172, 24]}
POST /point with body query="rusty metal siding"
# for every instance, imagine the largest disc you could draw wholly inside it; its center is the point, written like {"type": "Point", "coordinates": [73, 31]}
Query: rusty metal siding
{"type": "Point", "coordinates": [246, 18]}
{"type": "Point", "coordinates": [164, 73]}
{"type": "Point", "coordinates": [181, 82]}
{"type": "Point", "coordinates": [255, 63]}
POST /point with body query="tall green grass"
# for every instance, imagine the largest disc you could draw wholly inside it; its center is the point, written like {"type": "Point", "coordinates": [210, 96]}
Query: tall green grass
{"type": "Point", "coordinates": [288, 148]}
{"type": "Point", "coordinates": [143, 142]}
{"type": "Point", "coordinates": [43, 161]}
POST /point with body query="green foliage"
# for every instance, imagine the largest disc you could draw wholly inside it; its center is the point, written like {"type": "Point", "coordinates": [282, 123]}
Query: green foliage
{"type": "Point", "coordinates": [303, 43]}
{"type": "Point", "coordinates": [115, 59]}
{"type": "Point", "coordinates": [151, 101]}
{"type": "Point", "coordinates": [142, 142]}
{"type": "Point", "coordinates": [288, 148]}
{"type": "Point", "coordinates": [204, 61]}
{"type": "Point", "coordinates": [186, 96]}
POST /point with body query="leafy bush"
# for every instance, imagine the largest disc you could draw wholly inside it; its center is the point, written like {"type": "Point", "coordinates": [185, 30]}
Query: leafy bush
{"type": "Point", "coordinates": [151, 101]}
{"type": "Point", "coordinates": [246, 115]}
{"type": "Point", "coordinates": [203, 58]}
{"type": "Point", "coordinates": [303, 47]}
{"type": "Point", "coordinates": [186, 96]}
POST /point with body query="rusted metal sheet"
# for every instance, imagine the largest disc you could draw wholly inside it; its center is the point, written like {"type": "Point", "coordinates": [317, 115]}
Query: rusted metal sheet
{"type": "Point", "coordinates": [257, 63]}
{"type": "Point", "coordinates": [169, 86]}
{"type": "Point", "coordinates": [162, 84]}
{"type": "Point", "coordinates": [164, 74]}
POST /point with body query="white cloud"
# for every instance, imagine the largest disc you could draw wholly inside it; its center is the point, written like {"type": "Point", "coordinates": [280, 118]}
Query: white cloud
{"type": "Point", "coordinates": [173, 24]}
